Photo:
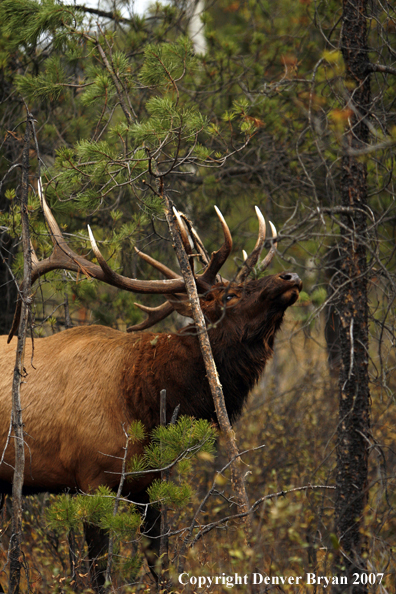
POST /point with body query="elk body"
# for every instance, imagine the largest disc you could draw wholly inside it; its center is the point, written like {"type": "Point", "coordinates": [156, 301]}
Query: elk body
{"type": "Point", "coordinates": [88, 383]}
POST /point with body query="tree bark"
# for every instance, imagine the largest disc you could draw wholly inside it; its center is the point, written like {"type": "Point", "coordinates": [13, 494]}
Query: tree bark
{"type": "Point", "coordinates": [354, 395]}
{"type": "Point", "coordinates": [164, 541]}
{"type": "Point", "coordinates": [15, 552]}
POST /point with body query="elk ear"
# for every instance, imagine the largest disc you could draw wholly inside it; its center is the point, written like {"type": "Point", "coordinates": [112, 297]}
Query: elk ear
{"type": "Point", "coordinates": [182, 305]}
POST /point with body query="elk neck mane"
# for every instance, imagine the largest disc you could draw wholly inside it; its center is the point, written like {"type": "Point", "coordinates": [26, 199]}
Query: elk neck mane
{"type": "Point", "coordinates": [174, 362]}
{"type": "Point", "coordinates": [240, 360]}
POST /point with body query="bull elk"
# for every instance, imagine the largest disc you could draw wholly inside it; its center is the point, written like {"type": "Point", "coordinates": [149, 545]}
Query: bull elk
{"type": "Point", "coordinates": [88, 383]}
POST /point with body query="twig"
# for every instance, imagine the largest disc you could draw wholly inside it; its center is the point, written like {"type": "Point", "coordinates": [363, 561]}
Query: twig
{"type": "Point", "coordinates": [213, 525]}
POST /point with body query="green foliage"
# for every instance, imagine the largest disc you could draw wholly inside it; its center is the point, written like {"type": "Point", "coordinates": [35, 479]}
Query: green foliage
{"type": "Point", "coordinates": [167, 119]}
{"type": "Point", "coordinates": [137, 464]}
{"type": "Point", "coordinates": [170, 493]}
{"type": "Point", "coordinates": [184, 440]}
{"type": "Point", "coordinates": [97, 507]}
{"type": "Point", "coordinates": [180, 442]}
{"type": "Point", "coordinates": [187, 437]}
{"type": "Point", "coordinates": [319, 296]}
{"type": "Point", "coordinates": [88, 150]}
{"type": "Point", "coordinates": [26, 20]}
{"type": "Point", "coordinates": [137, 432]}
{"type": "Point", "coordinates": [166, 63]}
{"type": "Point", "coordinates": [63, 513]}
{"type": "Point", "coordinates": [47, 85]}
{"type": "Point", "coordinates": [67, 512]}
{"type": "Point", "coordinates": [101, 88]}
{"type": "Point", "coordinates": [124, 525]}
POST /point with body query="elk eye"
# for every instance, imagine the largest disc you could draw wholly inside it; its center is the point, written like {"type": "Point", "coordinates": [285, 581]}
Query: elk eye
{"type": "Point", "coordinates": [230, 296]}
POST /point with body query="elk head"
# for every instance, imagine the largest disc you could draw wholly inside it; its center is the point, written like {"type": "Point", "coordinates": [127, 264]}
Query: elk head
{"type": "Point", "coordinates": [256, 300]}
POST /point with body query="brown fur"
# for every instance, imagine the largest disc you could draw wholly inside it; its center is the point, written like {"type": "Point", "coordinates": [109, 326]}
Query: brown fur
{"type": "Point", "coordinates": [87, 383]}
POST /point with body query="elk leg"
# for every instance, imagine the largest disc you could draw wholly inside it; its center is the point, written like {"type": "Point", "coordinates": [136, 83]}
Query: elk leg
{"type": "Point", "coordinates": [71, 538]}
{"type": "Point", "coordinates": [151, 531]}
{"type": "Point", "coordinates": [98, 542]}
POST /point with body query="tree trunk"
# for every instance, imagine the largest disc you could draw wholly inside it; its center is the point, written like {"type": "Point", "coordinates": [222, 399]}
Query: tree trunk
{"type": "Point", "coordinates": [15, 553]}
{"type": "Point", "coordinates": [354, 411]}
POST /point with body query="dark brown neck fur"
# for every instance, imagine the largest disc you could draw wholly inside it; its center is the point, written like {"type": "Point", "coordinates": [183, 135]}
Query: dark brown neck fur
{"type": "Point", "coordinates": [174, 362]}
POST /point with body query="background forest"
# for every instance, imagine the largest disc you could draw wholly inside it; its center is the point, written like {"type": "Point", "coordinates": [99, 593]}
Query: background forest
{"type": "Point", "coordinates": [284, 104]}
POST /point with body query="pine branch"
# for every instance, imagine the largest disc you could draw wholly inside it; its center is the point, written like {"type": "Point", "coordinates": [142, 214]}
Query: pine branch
{"type": "Point", "coordinates": [114, 16]}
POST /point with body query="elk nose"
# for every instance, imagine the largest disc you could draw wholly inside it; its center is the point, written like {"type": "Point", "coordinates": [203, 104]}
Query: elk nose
{"type": "Point", "coordinates": [292, 277]}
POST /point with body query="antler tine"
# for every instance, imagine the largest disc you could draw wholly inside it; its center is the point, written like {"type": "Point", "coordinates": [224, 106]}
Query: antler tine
{"type": "Point", "coordinates": [251, 260]}
{"type": "Point", "coordinates": [218, 258]}
{"type": "Point", "coordinates": [155, 264]}
{"type": "Point", "coordinates": [102, 262]}
{"type": "Point", "coordinates": [268, 258]}
{"type": "Point", "coordinates": [197, 241]}
{"type": "Point", "coordinates": [155, 314]}
{"type": "Point", "coordinates": [105, 273]}
{"type": "Point", "coordinates": [61, 256]}
{"type": "Point", "coordinates": [56, 233]}
{"type": "Point", "coordinates": [183, 232]}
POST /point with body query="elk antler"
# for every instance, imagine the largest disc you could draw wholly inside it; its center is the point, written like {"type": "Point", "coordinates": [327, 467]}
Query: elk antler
{"type": "Point", "coordinates": [183, 232]}
{"type": "Point", "coordinates": [187, 242]}
{"type": "Point", "coordinates": [251, 260]}
{"type": "Point", "coordinates": [218, 258]}
{"type": "Point", "coordinates": [155, 315]}
{"type": "Point", "coordinates": [158, 265]}
{"type": "Point", "coordinates": [64, 258]}
{"type": "Point", "coordinates": [198, 244]}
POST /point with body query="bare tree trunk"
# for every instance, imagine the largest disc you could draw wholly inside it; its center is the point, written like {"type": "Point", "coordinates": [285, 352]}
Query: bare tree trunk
{"type": "Point", "coordinates": [15, 553]}
{"type": "Point", "coordinates": [354, 420]}
{"type": "Point", "coordinates": [210, 366]}
{"type": "Point", "coordinates": [164, 541]}
{"type": "Point", "coordinates": [195, 8]}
